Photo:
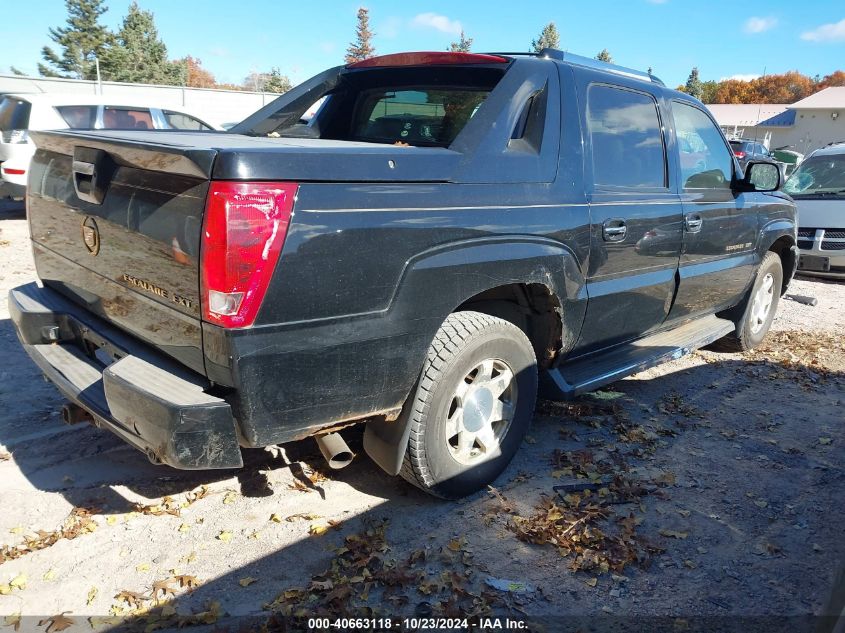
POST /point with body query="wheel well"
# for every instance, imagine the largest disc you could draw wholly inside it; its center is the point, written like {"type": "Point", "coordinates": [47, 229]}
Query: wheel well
{"type": "Point", "coordinates": [531, 307]}
{"type": "Point", "coordinates": [783, 247]}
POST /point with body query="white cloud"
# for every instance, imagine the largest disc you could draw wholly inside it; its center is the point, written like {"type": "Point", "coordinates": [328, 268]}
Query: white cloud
{"type": "Point", "coordinates": [759, 25]}
{"type": "Point", "coordinates": [437, 22]}
{"type": "Point", "coordinates": [834, 32]}
{"type": "Point", "coordinates": [741, 77]}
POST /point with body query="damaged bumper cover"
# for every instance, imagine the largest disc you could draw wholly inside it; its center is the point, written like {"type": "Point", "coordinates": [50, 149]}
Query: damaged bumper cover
{"type": "Point", "coordinates": [145, 399]}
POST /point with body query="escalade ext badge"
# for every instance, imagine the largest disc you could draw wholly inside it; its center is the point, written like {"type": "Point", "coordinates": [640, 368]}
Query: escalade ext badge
{"type": "Point", "coordinates": [91, 235]}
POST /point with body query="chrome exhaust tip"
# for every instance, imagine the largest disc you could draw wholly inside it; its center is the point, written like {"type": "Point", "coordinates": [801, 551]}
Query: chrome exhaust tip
{"type": "Point", "coordinates": [335, 450]}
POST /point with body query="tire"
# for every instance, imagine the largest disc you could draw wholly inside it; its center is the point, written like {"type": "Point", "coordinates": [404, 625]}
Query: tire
{"type": "Point", "coordinates": [753, 325]}
{"type": "Point", "coordinates": [456, 444]}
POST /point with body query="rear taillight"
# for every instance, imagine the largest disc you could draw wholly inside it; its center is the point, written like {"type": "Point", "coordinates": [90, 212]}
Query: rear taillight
{"type": "Point", "coordinates": [14, 172]}
{"type": "Point", "coordinates": [244, 228]}
{"type": "Point", "coordinates": [739, 154]}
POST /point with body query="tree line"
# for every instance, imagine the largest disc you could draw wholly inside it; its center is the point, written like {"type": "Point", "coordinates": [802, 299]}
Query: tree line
{"type": "Point", "coordinates": [84, 48]}
{"type": "Point", "coordinates": [788, 87]}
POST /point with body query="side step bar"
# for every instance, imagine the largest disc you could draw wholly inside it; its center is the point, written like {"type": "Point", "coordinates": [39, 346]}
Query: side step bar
{"type": "Point", "coordinates": [596, 370]}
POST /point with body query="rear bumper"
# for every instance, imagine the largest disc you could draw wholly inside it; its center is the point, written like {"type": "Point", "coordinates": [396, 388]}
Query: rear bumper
{"type": "Point", "coordinates": [12, 190]}
{"type": "Point", "coordinates": [147, 400]}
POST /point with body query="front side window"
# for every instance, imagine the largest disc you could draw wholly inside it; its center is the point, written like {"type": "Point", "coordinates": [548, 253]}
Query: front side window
{"type": "Point", "coordinates": [626, 137]}
{"type": "Point", "coordinates": [79, 117]}
{"type": "Point", "coordinates": [182, 121]}
{"type": "Point", "coordinates": [706, 162]}
{"type": "Point", "coordinates": [127, 119]}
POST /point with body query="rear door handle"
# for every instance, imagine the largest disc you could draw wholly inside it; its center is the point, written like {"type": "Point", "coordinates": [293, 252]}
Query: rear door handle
{"type": "Point", "coordinates": [693, 223]}
{"type": "Point", "coordinates": [614, 230]}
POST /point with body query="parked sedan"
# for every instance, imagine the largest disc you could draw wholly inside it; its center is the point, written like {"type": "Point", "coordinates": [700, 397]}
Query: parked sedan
{"type": "Point", "coordinates": [20, 113]}
{"type": "Point", "coordinates": [747, 150]}
{"type": "Point", "coordinates": [818, 186]}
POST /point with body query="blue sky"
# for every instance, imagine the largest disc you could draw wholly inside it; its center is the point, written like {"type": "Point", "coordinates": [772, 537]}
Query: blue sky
{"type": "Point", "coordinates": [722, 37]}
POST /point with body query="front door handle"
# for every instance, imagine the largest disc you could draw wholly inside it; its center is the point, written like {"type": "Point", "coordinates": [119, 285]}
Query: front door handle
{"type": "Point", "coordinates": [693, 223]}
{"type": "Point", "coordinates": [614, 230]}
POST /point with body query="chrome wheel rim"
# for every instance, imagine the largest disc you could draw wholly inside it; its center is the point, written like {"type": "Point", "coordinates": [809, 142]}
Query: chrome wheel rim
{"type": "Point", "coordinates": [762, 303]}
{"type": "Point", "coordinates": [480, 412]}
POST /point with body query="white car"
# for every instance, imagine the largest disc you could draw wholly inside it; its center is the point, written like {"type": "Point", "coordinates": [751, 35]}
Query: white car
{"type": "Point", "coordinates": [20, 113]}
{"type": "Point", "coordinates": [818, 188]}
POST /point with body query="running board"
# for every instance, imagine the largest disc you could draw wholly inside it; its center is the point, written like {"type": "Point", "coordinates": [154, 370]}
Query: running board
{"type": "Point", "coordinates": [591, 372]}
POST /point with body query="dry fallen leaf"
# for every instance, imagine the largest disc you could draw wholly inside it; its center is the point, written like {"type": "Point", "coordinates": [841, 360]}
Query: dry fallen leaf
{"type": "Point", "coordinates": [5, 590]}
{"type": "Point", "coordinates": [164, 587]}
{"type": "Point", "coordinates": [142, 567]}
{"type": "Point", "coordinates": [276, 518]}
{"type": "Point", "coordinates": [92, 595]}
{"type": "Point", "coordinates": [254, 535]}
{"type": "Point", "coordinates": [17, 530]}
{"type": "Point", "coordinates": [592, 582]}
{"type": "Point", "coordinates": [317, 530]}
{"type": "Point", "coordinates": [684, 513]}
{"type": "Point", "coordinates": [111, 519]}
{"type": "Point", "coordinates": [760, 503]}
{"type": "Point", "coordinates": [246, 582]}
{"type": "Point", "coordinates": [225, 536]}
{"type": "Point", "coordinates": [824, 441]}
{"type": "Point", "coordinates": [50, 574]}
{"type": "Point", "coordinates": [58, 622]}
{"type": "Point", "coordinates": [817, 547]}
{"type": "Point", "coordinates": [18, 582]}
{"type": "Point", "coordinates": [13, 620]}
{"type": "Point", "coordinates": [187, 582]}
{"type": "Point", "coordinates": [230, 497]}
{"type": "Point", "coordinates": [674, 534]}
{"type": "Point", "coordinates": [184, 527]}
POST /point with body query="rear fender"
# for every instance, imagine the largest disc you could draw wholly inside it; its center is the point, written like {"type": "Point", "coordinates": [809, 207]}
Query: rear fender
{"type": "Point", "coordinates": [439, 281]}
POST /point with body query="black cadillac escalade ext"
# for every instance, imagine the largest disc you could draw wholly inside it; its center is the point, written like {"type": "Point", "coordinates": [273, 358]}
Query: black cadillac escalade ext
{"type": "Point", "coordinates": [449, 233]}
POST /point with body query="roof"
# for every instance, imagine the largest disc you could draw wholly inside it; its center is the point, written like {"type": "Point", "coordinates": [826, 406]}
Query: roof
{"type": "Point", "coordinates": [823, 100]}
{"type": "Point", "coordinates": [832, 149]}
{"type": "Point", "coordinates": [60, 99]}
{"type": "Point", "coordinates": [752, 114]}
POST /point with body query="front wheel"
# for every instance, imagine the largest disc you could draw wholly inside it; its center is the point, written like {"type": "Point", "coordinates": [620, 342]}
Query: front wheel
{"type": "Point", "coordinates": [760, 308]}
{"type": "Point", "coordinates": [472, 406]}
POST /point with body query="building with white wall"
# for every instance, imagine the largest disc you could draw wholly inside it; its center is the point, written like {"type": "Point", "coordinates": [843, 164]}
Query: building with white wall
{"type": "Point", "coordinates": [803, 126]}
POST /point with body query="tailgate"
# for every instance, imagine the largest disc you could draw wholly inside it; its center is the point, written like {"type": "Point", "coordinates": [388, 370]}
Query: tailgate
{"type": "Point", "coordinates": [116, 228]}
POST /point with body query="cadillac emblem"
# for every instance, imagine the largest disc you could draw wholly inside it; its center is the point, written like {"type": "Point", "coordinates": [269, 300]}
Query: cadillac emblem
{"type": "Point", "coordinates": [91, 235]}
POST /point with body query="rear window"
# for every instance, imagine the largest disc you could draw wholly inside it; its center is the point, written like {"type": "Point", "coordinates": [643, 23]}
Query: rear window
{"type": "Point", "coordinates": [626, 138]}
{"type": "Point", "coordinates": [182, 121]}
{"type": "Point", "coordinates": [425, 106]}
{"type": "Point", "coordinates": [14, 114]}
{"type": "Point", "coordinates": [127, 119]}
{"type": "Point", "coordinates": [79, 117]}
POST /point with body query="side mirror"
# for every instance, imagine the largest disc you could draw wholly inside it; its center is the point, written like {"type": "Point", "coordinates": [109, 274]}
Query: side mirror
{"type": "Point", "coordinates": [761, 176]}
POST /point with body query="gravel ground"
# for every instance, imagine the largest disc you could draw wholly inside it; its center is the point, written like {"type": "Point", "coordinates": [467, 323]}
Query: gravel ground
{"type": "Point", "coordinates": [728, 501]}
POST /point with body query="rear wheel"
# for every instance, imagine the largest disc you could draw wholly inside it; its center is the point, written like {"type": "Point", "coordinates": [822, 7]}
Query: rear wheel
{"type": "Point", "coordinates": [472, 405]}
{"type": "Point", "coordinates": [760, 308]}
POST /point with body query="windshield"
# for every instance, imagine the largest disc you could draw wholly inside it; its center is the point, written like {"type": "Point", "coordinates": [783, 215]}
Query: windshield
{"type": "Point", "coordinates": [822, 175]}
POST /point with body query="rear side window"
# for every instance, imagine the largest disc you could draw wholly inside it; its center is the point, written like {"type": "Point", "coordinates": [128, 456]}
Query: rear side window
{"type": "Point", "coordinates": [127, 119]}
{"type": "Point", "coordinates": [182, 121]}
{"type": "Point", "coordinates": [706, 162]}
{"type": "Point", "coordinates": [626, 138]}
{"type": "Point", "coordinates": [423, 116]}
{"type": "Point", "coordinates": [79, 117]}
{"type": "Point", "coordinates": [14, 114]}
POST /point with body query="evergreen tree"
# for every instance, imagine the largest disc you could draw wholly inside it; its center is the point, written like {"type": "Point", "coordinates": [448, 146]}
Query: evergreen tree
{"type": "Point", "coordinates": [80, 42]}
{"type": "Point", "coordinates": [549, 38]}
{"type": "Point", "coordinates": [464, 45]}
{"type": "Point", "coordinates": [362, 48]}
{"type": "Point", "coordinates": [138, 54]}
{"type": "Point", "coordinates": [694, 87]}
{"type": "Point", "coordinates": [709, 90]}
{"type": "Point", "coordinates": [605, 56]}
{"type": "Point", "coordinates": [274, 81]}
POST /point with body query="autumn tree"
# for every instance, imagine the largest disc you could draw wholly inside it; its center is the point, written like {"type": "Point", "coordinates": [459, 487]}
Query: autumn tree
{"type": "Point", "coordinates": [693, 87]}
{"type": "Point", "coordinates": [708, 91]}
{"type": "Point", "coordinates": [362, 48]}
{"type": "Point", "coordinates": [80, 43]}
{"type": "Point", "coordinates": [834, 79]}
{"type": "Point", "coordinates": [195, 75]}
{"type": "Point", "coordinates": [463, 45]}
{"type": "Point", "coordinates": [605, 56]}
{"type": "Point", "coordinates": [138, 54]}
{"type": "Point", "coordinates": [549, 38]}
